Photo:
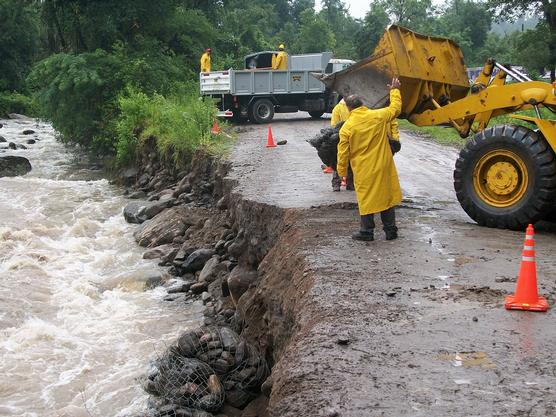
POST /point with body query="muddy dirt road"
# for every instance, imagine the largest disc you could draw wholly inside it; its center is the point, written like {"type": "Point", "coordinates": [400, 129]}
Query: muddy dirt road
{"type": "Point", "coordinates": [412, 327]}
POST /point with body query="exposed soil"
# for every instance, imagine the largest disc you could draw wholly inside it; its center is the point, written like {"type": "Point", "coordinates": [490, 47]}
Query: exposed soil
{"type": "Point", "coordinates": [410, 327]}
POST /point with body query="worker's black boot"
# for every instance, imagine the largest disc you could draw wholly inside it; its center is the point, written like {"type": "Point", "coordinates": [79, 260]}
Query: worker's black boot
{"type": "Point", "coordinates": [366, 233]}
{"type": "Point", "coordinates": [336, 181]}
{"type": "Point", "coordinates": [388, 218]}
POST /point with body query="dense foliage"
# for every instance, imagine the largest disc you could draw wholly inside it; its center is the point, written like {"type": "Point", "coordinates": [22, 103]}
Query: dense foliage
{"type": "Point", "coordinates": [94, 65]}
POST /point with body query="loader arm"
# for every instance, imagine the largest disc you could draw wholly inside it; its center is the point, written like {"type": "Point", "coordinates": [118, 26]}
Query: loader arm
{"type": "Point", "coordinates": [489, 102]}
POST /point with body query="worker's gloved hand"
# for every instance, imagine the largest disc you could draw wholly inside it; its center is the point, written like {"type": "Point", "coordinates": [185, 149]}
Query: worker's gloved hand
{"type": "Point", "coordinates": [395, 84]}
{"type": "Point", "coordinates": [395, 145]}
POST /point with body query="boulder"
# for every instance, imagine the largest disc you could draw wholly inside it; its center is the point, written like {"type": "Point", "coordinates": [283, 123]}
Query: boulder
{"type": "Point", "coordinates": [12, 145]}
{"type": "Point", "coordinates": [141, 211]}
{"type": "Point", "coordinates": [185, 250]}
{"type": "Point", "coordinates": [239, 281]}
{"type": "Point", "coordinates": [2, 139]}
{"type": "Point", "coordinates": [211, 269]}
{"type": "Point", "coordinates": [28, 132]}
{"type": "Point", "coordinates": [196, 261]}
{"type": "Point", "coordinates": [12, 166]}
{"type": "Point", "coordinates": [31, 141]}
{"type": "Point", "coordinates": [164, 227]}
{"type": "Point", "coordinates": [129, 175]}
{"type": "Point", "coordinates": [135, 195]}
{"type": "Point", "coordinates": [17, 116]}
{"type": "Point", "coordinates": [159, 252]}
{"type": "Point", "coordinates": [20, 146]}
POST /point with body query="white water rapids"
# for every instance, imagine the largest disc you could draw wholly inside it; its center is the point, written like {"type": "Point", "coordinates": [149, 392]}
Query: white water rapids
{"type": "Point", "coordinates": [76, 328]}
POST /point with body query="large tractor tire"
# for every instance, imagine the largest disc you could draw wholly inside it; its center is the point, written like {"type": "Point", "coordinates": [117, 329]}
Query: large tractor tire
{"type": "Point", "coordinates": [506, 177]}
{"type": "Point", "coordinates": [261, 111]}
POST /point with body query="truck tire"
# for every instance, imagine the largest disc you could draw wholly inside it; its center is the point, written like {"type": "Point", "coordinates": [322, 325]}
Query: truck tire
{"type": "Point", "coordinates": [262, 111]}
{"type": "Point", "coordinates": [316, 114]}
{"type": "Point", "coordinates": [506, 177]}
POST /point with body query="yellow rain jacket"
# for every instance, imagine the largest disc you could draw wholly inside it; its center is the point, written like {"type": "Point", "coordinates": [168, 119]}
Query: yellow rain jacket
{"type": "Point", "coordinates": [205, 62]}
{"type": "Point", "coordinates": [394, 130]}
{"type": "Point", "coordinates": [281, 61]}
{"type": "Point", "coordinates": [364, 144]}
{"type": "Point", "coordinates": [340, 113]}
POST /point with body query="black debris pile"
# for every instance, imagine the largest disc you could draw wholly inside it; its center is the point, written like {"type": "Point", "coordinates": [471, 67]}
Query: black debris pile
{"type": "Point", "coordinates": [326, 144]}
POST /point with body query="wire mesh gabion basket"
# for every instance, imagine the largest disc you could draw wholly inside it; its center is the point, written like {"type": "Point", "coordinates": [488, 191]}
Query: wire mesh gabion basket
{"type": "Point", "coordinates": [187, 382]}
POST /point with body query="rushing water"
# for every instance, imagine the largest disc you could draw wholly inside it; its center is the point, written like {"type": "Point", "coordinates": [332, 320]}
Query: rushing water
{"type": "Point", "coordinates": [76, 328]}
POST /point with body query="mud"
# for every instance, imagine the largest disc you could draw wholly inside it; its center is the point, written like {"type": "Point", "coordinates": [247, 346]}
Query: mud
{"type": "Point", "coordinates": [410, 327]}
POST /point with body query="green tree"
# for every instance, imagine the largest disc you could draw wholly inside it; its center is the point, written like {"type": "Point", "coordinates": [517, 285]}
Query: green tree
{"type": "Point", "coordinates": [314, 34]}
{"type": "Point", "coordinates": [18, 42]}
{"type": "Point", "coordinates": [373, 27]}
{"type": "Point", "coordinates": [511, 9]}
{"type": "Point", "coordinates": [413, 14]}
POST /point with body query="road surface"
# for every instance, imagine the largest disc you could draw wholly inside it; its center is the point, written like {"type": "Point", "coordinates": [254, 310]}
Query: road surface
{"type": "Point", "coordinates": [412, 327]}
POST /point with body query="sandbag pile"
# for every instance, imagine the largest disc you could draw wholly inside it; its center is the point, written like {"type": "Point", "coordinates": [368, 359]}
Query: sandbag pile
{"type": "Point", "coordinates": [209, 366]}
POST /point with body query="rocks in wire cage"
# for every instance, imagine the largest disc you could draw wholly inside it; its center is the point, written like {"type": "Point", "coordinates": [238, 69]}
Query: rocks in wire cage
{"type": "Point", "coordinates": [242, 384]}
{"type": "Point", "coordinates": [183, 381]}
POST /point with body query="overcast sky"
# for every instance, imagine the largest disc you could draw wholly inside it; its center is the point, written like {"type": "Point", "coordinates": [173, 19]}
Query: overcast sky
{"type": "Point", "coordinates": [357, 8]}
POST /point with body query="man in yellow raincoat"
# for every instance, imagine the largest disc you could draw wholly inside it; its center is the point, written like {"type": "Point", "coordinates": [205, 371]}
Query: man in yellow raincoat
{"type": "Point", "coordinates": [364, 144]}
{"type": "Point", "coordinates": [281, 61]}
{"type": "Point", "coordinates": [205, 60]}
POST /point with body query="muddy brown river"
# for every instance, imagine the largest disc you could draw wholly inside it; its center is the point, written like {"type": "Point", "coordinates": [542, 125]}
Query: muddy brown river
{"type": "Point", "coordinates": [76, 326]}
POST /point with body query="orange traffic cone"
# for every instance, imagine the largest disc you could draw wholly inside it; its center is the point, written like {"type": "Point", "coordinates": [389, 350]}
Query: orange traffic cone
{"type": "Point", "coordinates": [270, 142]}
{"type": "Point", "coordinates": [215, 128]}
{"type": "Point", "coordinates": [328, 170]}
{"type": "Point", "coordinates": [526, 296]}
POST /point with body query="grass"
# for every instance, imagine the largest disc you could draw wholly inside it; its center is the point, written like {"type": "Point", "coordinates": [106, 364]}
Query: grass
{"type": "Point", "coordinates": [181, 125]}
{"type": "Point", "coordinates": [445, 135]}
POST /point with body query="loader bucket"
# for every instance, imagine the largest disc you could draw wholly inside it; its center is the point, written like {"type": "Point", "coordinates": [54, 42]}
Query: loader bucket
{"type": "Point", "coordinates": [431, 71]}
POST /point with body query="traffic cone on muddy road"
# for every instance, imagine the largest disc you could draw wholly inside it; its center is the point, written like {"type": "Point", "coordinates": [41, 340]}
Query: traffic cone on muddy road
{"type": "Point", "coordinates": [526, 295]}
{"type": "Point", "coordinates": [270, 141]}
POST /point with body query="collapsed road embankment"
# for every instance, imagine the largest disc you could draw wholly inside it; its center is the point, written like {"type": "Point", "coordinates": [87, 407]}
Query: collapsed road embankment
{"type": "Point", "coordinates": [410, 327]}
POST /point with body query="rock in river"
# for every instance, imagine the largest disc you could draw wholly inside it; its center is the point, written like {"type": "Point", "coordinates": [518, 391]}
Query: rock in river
{"type": "Point", "coordinates": [12, 166]}
{"type": "Point", "coordinates": [164, 227]}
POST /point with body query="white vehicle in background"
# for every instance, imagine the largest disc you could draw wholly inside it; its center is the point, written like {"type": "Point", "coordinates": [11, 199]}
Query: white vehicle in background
{"type": "Point", "coordinates": [257, 92]}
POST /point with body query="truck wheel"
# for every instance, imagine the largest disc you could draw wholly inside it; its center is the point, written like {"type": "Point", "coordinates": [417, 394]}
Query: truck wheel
{"type": "Point", "coordinates": [506, 177]}
{"type": "Point", "coordinates": [316, 114]}
{"type": "Point", "coordinates": [262, 111]}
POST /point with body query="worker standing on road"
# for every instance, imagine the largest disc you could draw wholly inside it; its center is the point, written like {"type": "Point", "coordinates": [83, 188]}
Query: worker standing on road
{"type": "Point", "coordinates": [281, 61]}
{"type": "Point", "coordinates": [205, 61]}
{"type": "Point", "coordinates": [364, 144]}
{"type": "Point", "coordinates": [340, 113]}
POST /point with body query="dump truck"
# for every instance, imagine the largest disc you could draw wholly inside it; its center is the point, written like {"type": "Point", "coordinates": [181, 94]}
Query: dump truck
{"type": "Point", "coordinates": [505, 175]}
{"type": "Point", "coordinates": [257, 92]}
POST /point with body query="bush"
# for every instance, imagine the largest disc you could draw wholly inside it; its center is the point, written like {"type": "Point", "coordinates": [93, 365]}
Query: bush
{"type": "Point", "coordinates": [78, 94]}
{"type": "Point", "coordinates": [181, 124]}
{"type": "Point", "coordinates": [16, 103]}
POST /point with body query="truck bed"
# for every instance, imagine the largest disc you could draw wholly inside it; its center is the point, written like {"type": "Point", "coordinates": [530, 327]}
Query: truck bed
{"type": "Point", "coordinates": [259, 82]}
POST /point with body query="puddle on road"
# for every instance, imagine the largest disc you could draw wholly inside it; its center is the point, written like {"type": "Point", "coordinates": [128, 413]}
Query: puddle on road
{"type": "Point", "coordinates": [468, 359]}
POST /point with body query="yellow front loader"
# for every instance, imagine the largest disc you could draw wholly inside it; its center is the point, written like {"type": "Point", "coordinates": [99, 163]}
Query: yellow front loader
{"type": "Point", "coordinates": [505, 175]}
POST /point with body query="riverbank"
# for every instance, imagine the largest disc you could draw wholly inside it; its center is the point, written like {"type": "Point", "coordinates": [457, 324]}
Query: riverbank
{"type": "Point", "coordinates": [411, 327]}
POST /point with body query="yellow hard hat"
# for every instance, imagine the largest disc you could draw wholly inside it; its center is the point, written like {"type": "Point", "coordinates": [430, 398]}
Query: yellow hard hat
{"type": "Point", "coordinates": [281, 46]}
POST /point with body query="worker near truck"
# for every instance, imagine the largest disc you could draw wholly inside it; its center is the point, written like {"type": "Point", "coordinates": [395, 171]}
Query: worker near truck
{"type": "Point", "coordinates": [364, 144]}
{"type": "Point", "coordinates": [205, 60]}
{"type": "Point", "coordinates": [281, 61]}
{"type": "Point", "coordinates": [340, 113]}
